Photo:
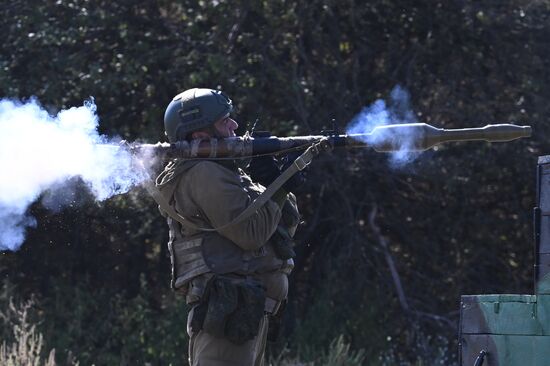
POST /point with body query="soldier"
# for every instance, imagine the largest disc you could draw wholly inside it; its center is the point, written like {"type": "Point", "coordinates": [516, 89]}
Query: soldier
{"type": "Point", "coordinates": [233, 273]}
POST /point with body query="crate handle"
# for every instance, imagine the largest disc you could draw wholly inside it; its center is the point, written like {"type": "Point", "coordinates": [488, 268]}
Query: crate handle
{"type": "Point", "coordinates": [480, 358]}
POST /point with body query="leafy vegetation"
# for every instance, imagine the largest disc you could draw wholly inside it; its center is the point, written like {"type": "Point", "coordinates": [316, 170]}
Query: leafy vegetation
{"type": "Point", "coordinates": [456, 220]}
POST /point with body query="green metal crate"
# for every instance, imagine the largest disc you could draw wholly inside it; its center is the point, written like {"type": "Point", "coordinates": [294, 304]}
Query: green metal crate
{"type": "Point", "coordinates": [513, 330]}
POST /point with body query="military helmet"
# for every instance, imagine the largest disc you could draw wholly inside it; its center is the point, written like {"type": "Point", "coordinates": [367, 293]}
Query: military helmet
{"type": "Point", "coordinates": [194, 109]}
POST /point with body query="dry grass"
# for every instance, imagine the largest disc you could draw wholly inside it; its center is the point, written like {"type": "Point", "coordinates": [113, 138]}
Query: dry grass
{"type": "Point", "coordinates": [339, 354]}
{"type": "Point", "coordinates": [27, 344]}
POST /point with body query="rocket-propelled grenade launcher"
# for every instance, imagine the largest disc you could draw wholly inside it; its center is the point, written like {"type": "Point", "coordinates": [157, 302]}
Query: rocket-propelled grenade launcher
{"type": "Point", "coordinates": [389, 138]}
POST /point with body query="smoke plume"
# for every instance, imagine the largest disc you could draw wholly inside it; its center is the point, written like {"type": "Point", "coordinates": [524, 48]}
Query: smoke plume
{"type": "Point", "coordinates": [397, 111]}
{"type": "Point", "coordinates": [43, 153]}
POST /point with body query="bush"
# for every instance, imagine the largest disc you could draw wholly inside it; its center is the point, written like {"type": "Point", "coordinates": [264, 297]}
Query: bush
{"type": "Point", "coordinates": [26, 348]}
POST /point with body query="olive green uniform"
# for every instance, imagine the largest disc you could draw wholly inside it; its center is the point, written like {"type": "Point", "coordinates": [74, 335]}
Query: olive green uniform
{"type": "Point", "coordinates": [211, 195]}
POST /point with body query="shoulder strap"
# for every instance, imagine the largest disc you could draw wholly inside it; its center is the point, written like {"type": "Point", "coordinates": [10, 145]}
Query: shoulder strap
{"type": "Point", "coordinates": [299, 164]}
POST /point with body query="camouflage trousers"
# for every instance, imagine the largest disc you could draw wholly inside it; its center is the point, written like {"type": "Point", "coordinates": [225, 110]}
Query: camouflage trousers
{"type": "Point", "coordinates": [207, 350]}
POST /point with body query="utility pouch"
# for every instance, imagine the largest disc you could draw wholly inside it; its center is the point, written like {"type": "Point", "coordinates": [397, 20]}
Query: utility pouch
{"type": "Point", "coordinates": [290, 217]}
{"type": "Point", "coordinates": [221, 254]}
{"type": "Point", "coordinates": [283, 244]}
{"type": "Point", "coordinates": [187, 261]}
{"type": "Point", "coordinates": [244, 323]}
{"type": "Point", "coordinates": [200, 310]}
{"type": "Point", "coordinates": [276, 323]}
{"type": "Point", "coordinates": [223, 301]}
{"type": "Point", "coordinates": [230, 309]}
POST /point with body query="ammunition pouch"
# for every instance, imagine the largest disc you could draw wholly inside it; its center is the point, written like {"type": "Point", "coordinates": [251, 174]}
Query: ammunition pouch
{"type": "Point", "coordinates": [283, 244]}
{"type": "Point", "coordinates": [276, 323]}
{"type": "Point", "coordinates": [282, 240]}
{"type": "Point", "coordinates": [187, 261]}
{"type": "Point", "coordinates": [290, 216]}
{"type": "Point", "coordinates": [230, 309]}
{"type": "Point", "coordinates": [223, 256]}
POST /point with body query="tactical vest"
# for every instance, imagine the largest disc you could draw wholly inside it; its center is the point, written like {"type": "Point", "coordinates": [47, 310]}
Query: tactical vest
{"type": "Point", "coordinates": [213, 253]}
{"type": "Point", "coordinates": [206, 253]}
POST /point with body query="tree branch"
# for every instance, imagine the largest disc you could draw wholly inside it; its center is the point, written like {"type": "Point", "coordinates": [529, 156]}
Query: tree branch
{"type": "Point", "coordinates": [389, 259]}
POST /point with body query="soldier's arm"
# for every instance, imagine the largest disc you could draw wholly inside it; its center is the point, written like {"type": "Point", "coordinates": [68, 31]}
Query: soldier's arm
{"type": "Point", "coordinates": [218, 193]}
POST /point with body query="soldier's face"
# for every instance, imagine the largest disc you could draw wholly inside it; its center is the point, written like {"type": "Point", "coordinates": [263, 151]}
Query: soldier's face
{"type": "Point", "coordinates": [226, 127]}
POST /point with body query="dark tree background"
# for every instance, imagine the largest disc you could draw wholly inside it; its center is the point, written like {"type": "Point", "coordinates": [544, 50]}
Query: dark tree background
{"type": "Point", "coordinates": [457, 220]}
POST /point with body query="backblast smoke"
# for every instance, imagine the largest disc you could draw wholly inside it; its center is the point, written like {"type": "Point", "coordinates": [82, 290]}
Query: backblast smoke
{"type": "Point", "coordinates": [41, 153]}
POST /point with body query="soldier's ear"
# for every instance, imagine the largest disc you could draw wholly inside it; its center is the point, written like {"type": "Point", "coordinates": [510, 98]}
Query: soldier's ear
{"type": "Point", "coordinates": [200, 134]}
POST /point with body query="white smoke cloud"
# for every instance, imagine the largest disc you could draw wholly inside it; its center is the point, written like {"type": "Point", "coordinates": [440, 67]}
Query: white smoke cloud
{"type": "Point", "coordinates": [398, 111]}
{"type": "Point", "coordinates": [40, 152]}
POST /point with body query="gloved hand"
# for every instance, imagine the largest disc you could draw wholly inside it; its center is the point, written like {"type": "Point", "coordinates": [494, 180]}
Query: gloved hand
{"type": "Point", "coordinates": [264, 169]}
{"type": "Point", "coordinates": [299, 178]}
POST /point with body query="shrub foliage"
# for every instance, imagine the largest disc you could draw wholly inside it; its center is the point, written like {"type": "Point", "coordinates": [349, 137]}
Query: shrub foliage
{"type": "Point", "coordinates": [455, 220]}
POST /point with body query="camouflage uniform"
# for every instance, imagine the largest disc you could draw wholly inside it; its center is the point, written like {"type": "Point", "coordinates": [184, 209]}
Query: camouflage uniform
{"type": "Point", "coordinates": [211, 194]}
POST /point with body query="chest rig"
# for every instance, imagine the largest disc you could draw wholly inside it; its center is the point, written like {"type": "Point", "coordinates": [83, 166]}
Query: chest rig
{"type": "Point", "coordinates": [197, 257]}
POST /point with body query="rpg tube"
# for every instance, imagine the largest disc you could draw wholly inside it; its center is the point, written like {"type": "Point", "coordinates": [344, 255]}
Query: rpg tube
{"type": "Point", "coordinates": [389, 138]}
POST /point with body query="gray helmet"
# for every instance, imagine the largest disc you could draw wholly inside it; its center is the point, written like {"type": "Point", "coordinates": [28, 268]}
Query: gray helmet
{"type": "Point", "coordinates": [194, 109]}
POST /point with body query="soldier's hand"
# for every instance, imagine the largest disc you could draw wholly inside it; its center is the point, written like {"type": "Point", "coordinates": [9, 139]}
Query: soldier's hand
{"type": "Point", "coordinates": [264, 169]}
{"type": "Point", "coordinates": [298, 179]}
